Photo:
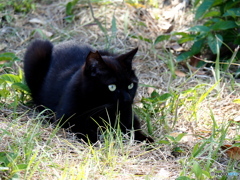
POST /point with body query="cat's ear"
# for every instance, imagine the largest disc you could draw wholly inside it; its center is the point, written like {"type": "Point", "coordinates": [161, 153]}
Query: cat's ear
{"type": "Point", "coordinates": [94, 64]}
{"type": "Point", "coordinates": [127, 58]}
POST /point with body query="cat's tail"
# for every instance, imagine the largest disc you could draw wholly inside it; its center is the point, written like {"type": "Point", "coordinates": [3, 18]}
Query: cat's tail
{"type": "Point", "coordinates": [36, 65]}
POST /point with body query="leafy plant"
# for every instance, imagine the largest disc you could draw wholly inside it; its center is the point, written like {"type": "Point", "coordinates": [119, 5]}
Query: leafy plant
{"type": "Point", "coordinates": [19, 5]}
{"type": "Point", "coordinates": [7, 59]}
{"type": "Point", "coordinates": [69, 10]}
{"type": "Point", "coordinates": [12, 85]}
{"type": "Point", "coordinates": [155, 106]}
{"type": "Point", "coordinates": [220, 28]}
{"type": "Point", "coordinates": [9, 166]}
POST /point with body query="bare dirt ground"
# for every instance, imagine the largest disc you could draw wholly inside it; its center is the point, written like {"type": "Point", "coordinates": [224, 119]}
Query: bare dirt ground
{"type": "Point", "coordinates": [48, 20]}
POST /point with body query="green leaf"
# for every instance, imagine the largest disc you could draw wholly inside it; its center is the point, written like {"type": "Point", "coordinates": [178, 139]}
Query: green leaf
{"type": "Point", "coordinates": [178, 149]}
{"type": "Point", "coordinates": [183, 34]}
{"type": "Point", "coordinates": [10, 78]}
{"type": "Point", "coordinates": [69, 8]}
{"type": "Point", "coordinates": [164, 96]}
{"type": "Point", "coordinates": [232, 12]}
{"type": "Point", "coordinates": [214, 42]}
{"type": "Point", "coordinates": [163, 142]}
{"type": "Point", "coordinates": [184, 178]}
{"type": "Point", "coordinates": [203, 8]}
{"type": "Point", "coordinates": [200, 29]}
{"type": "Point", "coordinates": [159, 98]}
{"type": "Point", "coordinates": [114, 25]}
{"type": "Point", "coordinates": [196, 169]}
{"type": "Point", "coordinates": [184, 56]}
{"type": "Point", "coordinates": [4, 93]}
{"type": "Point", "coordinates": [217, 3]}
{"type": "Point", "coordinates": [21, 87]}
{"type": "Point", "coordinates": [8, 57]}
{"type": "Point", "coordinates": [189, 37]}
{"type": "Point", "coordinates": [21, 166]}
{"type": "Point", "coordinates": [180, 136]}
{"type": "Point", "coordinates": [224, 25]}
{"type": "Point", "coordinates": [161, 38]}
{"type": "Point", "coordinates": [231, 4]}
{"type": "Point", "coordinates": [196, 48]}
{"type": "Point", "coordinates": [195, 3]}
{"type": "Point", "coordinates": [171, 138]}
{"type": "Point", "coordinates": [211, 14]}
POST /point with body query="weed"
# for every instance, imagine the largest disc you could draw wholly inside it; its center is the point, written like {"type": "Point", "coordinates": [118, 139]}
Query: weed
{"type": "Point", "coordinates": [220, 28]}
{"type": "Point", "coordinates": [19, 5]}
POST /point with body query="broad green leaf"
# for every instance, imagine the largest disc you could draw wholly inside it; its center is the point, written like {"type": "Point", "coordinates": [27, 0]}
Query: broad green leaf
{"type": "Point", "coordinates": [178, 149]}
{"type": "Point", "coordinates": [234, 12]}
{"type": "Point", "coordinates": [189, 37]}
{"type": "Point", "coordinates": [21, 166]}
{"type": "Point", "coordinates": [165, 96]}
{"type": "Point", "coordinates": [184, 56]}
{"type": "Point", "coordinates": [4, 93]}
{"type": "Point", "coordinates": [162, 38]}
{"type": "Point", "coordinates": [196, 48]}
{"type": "Point", "coordinates": [237, 23]}
{"type": "Point", "coordinates": [8, 56]}
{"type": "Point", "coordinates": [231, 4]}
{"type": "Point", "coordinates": [195, 3]}
{"type": "Point", "coordinates": [180, 136]}
{"type": "Point", "coordinates": [2, 82]}
{"type": "Point", "coordinates": [200, 29]}
{"type": "Point", "coordinates": [196, 169]}
{"type": "Point", "coordinates": [69, 8]}
{"type": "Point", "coordinates": [224, 25]}
{"type": "Point", "coordinates": [171, 138]}
{"type": "Point", "coordinates": [212, 14]}
{"type": "Point", "coordinates": [205, 6]}
{"type": "Point", "coordinates": [214, 42]}
{"type": "Point", "coordinates": [20, 86]}
{"type": "Point", "coordinates": [10, 78]}
{"type": "Point", "coordinates": [217, 3]}
{"type": "Point", "coordinates": [183, 34]}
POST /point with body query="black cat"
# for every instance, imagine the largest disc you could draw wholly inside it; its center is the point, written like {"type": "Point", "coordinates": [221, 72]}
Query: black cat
{"type": "Point", "coordinates": [83, 86]}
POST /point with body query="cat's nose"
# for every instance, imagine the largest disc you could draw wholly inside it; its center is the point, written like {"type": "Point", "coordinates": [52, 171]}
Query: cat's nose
{"type": "Point", "coordinates": [126, 98]}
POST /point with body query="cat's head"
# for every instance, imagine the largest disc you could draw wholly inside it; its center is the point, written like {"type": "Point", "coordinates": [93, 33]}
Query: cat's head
{"type": "Point", "coordinates": [113, 76]}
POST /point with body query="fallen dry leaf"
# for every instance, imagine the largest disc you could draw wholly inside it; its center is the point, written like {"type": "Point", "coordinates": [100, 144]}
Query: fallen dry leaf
{"type": "Point", "coordinates": [36, 21]}
{"type": "Point", "coordinates": [177, 47]}
{"type": "Point", "coordinates": [150, 90]}
{"type": "Point", "coordinates": [232, 152]}
{"type": "Point", "coordinates": [180, 73]}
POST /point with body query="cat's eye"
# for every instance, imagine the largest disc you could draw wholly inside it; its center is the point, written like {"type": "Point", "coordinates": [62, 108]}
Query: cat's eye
{"type": "Point", "coordinates": [130, 86]}
{"type": "Point", "coordinates": [112, 87]}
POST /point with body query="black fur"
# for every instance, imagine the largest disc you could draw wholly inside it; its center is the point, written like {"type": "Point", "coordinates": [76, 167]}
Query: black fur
{"type": "Point", "coordinates": [72, 80]}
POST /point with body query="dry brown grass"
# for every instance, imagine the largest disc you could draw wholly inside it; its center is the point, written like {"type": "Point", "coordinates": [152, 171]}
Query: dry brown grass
{"type": "Point", "coordinates": [68, 158]}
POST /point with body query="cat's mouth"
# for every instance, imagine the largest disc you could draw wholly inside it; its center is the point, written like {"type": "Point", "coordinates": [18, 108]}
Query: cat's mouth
{"type": "Point", "coordinates": [107, 109]}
